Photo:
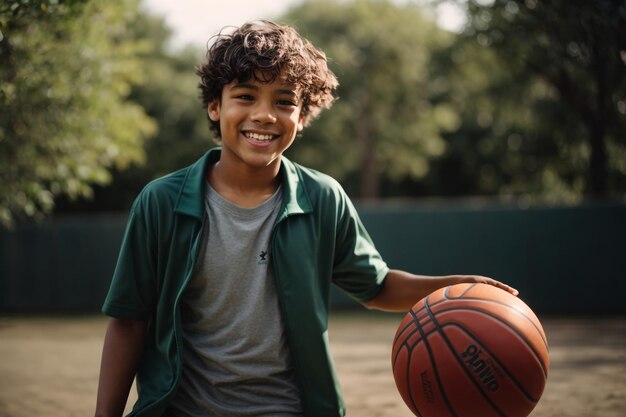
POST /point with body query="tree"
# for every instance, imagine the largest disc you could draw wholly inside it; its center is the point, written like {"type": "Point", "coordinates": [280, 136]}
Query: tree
{"type": "Point", "coordinates": [577, 49]}
{"type": "Point", "coordinates": [505, 143]}
{"type": "Point", "coordinates": [384, 124]}
{"type": "Point", "coordinates": [170, 96]}
{"type": "Point", "coordinates": [66, 72]}
{"type": "Point", "coordinates": [479, 158]}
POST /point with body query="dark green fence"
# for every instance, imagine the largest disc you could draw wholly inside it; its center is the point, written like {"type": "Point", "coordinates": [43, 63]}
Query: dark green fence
{"type": "Point", "coordinates": [62, 265]}
{"type": "Point", "coordinates": [563, 260]}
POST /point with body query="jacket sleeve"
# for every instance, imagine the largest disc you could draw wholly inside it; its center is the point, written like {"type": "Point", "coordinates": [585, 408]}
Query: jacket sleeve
{"type": "Point", "coordinates": [132, 289]}
{"type": "Point", "coordinates": [358, 267]}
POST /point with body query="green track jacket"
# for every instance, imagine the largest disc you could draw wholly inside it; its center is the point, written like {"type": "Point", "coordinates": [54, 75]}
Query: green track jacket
{"type": "Point", "coordinates": [317, 240]}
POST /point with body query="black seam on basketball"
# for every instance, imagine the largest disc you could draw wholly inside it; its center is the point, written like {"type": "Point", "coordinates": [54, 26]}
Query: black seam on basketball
{"type": "Point", "coordinates": [434, 330]}
{"type": "Point", "coordinates": [532, 322]}
{"type": "Point", "coordinates": [406, 344]}
{"type": "Point", "coordinates": [434, 364]}
{"type": "Point", "coordinates": [408, 384]}
{"type": "Point", "coordinates": [543, 365]}
{"type": "Point", "coordinates": [499, 363]}
{"type": "Point", "coordinates": [423, 308]}
{"type": "Point", "coordinates": [466, 291]}
{"type": "Point", "coordinates": [418, 329]}
{"type": "Point", "coordinates": [410, 350]}
{"type": "Point", "coordinates": [417, 315]}
{"type": "Point", "coordinates": [464, 368]}
{"type": "Point", "coordinates": [462, 295]}
{"type": "Point", "coordinates": [443, 300]}
{"type": "Point", "coordinates": [408, 366]}
{"type": "Point", "coordinates": [400, 332]}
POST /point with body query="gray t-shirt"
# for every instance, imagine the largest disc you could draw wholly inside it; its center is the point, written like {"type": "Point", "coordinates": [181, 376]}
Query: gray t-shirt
{"type": "Point", "coordinates": [236, 361]}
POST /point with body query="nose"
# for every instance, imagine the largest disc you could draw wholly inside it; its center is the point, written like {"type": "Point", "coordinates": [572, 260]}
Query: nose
{"type": "Point", "coordinates": [263, 113]}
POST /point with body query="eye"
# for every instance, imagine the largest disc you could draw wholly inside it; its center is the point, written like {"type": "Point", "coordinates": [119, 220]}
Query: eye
{"type": "Point", "coordinates": [245, 97]}
{"type": "Point", "coordinates": [286, 102]}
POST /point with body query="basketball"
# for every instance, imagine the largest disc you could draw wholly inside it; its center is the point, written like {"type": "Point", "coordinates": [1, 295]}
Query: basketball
{"type": "Point", "coordinates": [470, 350]}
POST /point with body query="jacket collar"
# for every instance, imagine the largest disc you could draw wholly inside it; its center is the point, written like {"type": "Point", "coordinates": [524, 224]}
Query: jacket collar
{"type": "Point", "coordinates": [191, 198]}
{"type": "Point", "coordinates": [297, 200]}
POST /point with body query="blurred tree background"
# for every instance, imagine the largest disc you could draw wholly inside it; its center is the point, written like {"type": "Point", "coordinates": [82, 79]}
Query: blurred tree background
{"type": "Point", "coordinates": [388, 121]}
{"type": "Point", "coordinates": [527, 103]}
{"type": "Point", "coordinates": [66, 69]}
{"type": "Point", "coordinates": [565, 62]}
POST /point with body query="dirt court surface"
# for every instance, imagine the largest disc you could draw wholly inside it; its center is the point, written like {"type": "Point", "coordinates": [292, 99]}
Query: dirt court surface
{"type": "Point", "coordinates": [49, 366]}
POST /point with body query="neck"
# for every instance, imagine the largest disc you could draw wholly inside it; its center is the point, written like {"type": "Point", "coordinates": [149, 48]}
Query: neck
{"type": "Point", "coordinates": [243, 185]}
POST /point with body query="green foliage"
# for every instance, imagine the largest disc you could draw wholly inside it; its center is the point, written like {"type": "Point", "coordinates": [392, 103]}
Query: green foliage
{"type": "Point", "coordinates": [569, 57]}
{"type": "Point", "coordinates": [384, 124]}
{"type": "Point", "coordinates": [529, 102]}
{"type": "Point", "coordinates": [67, 68]}
{"type": "Point", "coordinates": [170, 96]}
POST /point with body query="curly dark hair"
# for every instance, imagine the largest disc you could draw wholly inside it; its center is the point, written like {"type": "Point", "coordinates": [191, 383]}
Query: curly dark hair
{"type": "Point", "coordinates": [264, 51]}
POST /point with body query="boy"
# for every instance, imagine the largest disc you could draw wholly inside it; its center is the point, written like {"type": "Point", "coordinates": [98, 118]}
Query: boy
{"type": "Point", "coordinates": [220, 298]}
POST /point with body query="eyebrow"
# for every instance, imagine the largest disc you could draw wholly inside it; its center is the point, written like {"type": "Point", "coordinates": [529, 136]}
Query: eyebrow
{"type": "Point", "coordinates": [249, 86]}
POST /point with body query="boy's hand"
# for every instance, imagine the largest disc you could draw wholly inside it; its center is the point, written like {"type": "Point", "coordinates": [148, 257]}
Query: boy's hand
{"type": "Point", "coordinates": [479, 279]}
{"type": "Point", "coordinates": [403, 289]}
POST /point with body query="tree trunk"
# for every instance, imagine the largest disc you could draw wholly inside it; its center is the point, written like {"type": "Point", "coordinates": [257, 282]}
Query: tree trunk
{"type": "Point", "coordinates": [598, 162]}
{"type": "Point", "coordinates": [369, 181]}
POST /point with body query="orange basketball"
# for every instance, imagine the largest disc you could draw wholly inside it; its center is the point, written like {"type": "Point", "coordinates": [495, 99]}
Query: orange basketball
{"type": "Point", "coordinates": [470, 350]}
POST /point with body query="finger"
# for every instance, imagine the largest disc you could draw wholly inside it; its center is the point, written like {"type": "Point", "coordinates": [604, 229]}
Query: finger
{"type": "Point", "coordinates": [508, 288]}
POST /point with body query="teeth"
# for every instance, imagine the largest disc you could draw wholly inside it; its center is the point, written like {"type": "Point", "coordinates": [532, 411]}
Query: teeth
{"type": "Point", "coordinates": [256, 136]}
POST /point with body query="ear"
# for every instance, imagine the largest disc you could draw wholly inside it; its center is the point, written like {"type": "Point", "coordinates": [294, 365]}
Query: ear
{"type": "Point", "coordinates": [300, 123]}
{"type": "Point", "coordinates": [213, 110]}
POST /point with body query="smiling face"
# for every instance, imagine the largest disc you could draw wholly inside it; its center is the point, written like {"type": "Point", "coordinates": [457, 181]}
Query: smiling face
{"type": "Point", "coordinates": [258, 121]}
{"type": "Point", "coordinates": [266, 49]}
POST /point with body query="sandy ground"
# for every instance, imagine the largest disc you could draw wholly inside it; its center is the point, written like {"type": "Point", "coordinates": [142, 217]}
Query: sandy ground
{"type": "Point", "coordinates": [49, 366]}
